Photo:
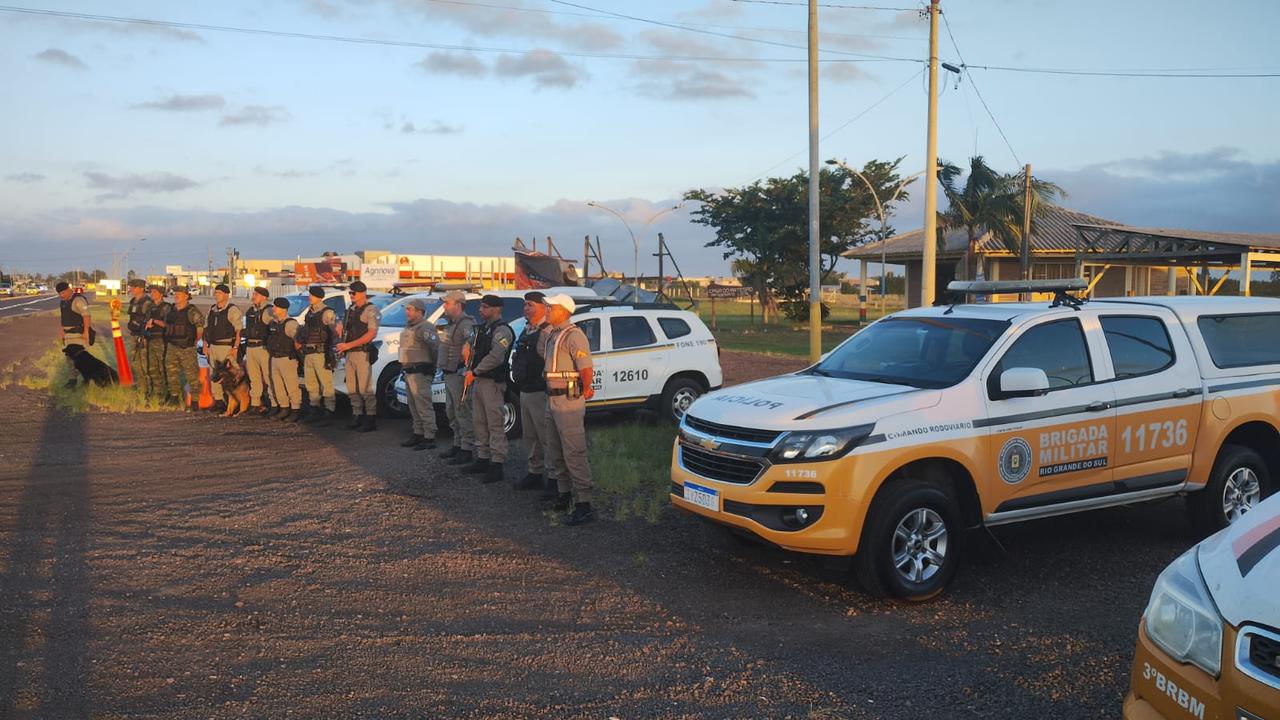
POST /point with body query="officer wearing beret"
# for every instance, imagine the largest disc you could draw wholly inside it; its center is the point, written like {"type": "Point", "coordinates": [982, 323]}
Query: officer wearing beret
{"type": "Point", "coordinates": [257, 360]}
{"type": "Point", "coordinates": [183, 327]}
{"type": "Point", "coordinates": [221, 338]}
{"type": "Point", "coordinates": [76, 332]}
{"type": "Point", "coordinates": [157, 383]}
{"type": "Point", "coordinates": [282, 346]}
{"type": "Point", "coordinates": [526, 373]}
{"type": "Point", "coordinates": [358, 330]}
{"type": "Point", "coordinates": [418, 355]}
{"type": "Point", "coordinates": [567, 354]}
{"type": "Point", "coordinates": [487, 373]}
{"type": "Point", "coordinates": [139, 312]}
{"type": "Point", "coordinates": [318, 357]}
{"type": "Point", "coordinates": [455, 341]}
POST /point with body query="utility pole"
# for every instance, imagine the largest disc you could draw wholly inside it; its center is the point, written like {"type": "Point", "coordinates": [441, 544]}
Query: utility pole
{"type": "Point", "coordinates": [928, 280]}
{"type": "Point", "coordinates": [1026, 223]}
{"type": "Point", "coordinates": [815, 291]}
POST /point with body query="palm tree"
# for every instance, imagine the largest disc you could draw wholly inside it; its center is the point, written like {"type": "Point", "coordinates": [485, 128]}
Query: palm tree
{"type": "Point", "coordinates": [990, 201]}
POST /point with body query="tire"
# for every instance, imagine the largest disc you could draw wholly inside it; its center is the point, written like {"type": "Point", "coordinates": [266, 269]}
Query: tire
{"type": "Point", "coordinates": [677, 396]}
{"type": "Point", "coordinates": [911, 542]}
{"type": "Point", "coordinates": [1239, 481]}
{"type": "Point", "coordinates": [511, 415]}
{"type": "Point", "coordinates": [388, 405]}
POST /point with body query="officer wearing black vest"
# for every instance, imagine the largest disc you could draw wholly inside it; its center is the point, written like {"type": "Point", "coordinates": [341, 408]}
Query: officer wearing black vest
{"type": "Point", "coordinates": [318, 357]}
{"type": "Point", "coordinates": [257, 323]}
{"type": "Point", "coordinates": [76, 333]}
{"type": "Point", "coordinates": [358, 331]}
{"type": "Point", "coordinates": [157, 385]}
{"type": "Point", "coordinates": [526, 372]}
{"type": "Point", "coordinates": [139, 312]}
{"type": "Point", "coordinates": [221, 338]}
{"type": "Point", "coordinates": [487, 374]}
{"type": "Point", "coordinates": [183, 326]}
{"type": "Point", "coordinates": [281, 345]}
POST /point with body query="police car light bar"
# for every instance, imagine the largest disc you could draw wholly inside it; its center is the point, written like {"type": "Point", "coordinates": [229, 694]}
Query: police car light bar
{"type": "Point", "coordinates": [1016, 286]}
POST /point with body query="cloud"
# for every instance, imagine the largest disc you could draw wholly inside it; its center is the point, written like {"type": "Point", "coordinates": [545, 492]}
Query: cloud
{"type": "Point", "coordinates": [435, 128]}
{"type": "Point", "coordinates": [517, 21]}
{"type": "Point", "coordinates": [844, 73]}
{"type": "Point", "coordinates": [25, 177]}
{"type": "Point", "coordinates": [547, 69]}
{"type": "Point", "coordinates": [55, 56]}
{"type": "Point", "coordinates": [343, 166]}
{"type": "Point", "coordinates": [453, 63]}
{"type": "Point", "coordinates": [184, 103]}
{"type": "Point", "coordinates": [120, 186]}
{"type": "Point", "coordinates": [260, 115]}
{"type": "Point", "coordinates": [666, 80]}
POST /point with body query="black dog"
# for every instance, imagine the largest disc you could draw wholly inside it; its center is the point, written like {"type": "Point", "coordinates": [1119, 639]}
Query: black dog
{"type": "Point", "coordinates": [90, 368]}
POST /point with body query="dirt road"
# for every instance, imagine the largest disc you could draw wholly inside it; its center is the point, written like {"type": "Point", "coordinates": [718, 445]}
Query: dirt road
{"type": "Point", "coordinates": [168, 566]}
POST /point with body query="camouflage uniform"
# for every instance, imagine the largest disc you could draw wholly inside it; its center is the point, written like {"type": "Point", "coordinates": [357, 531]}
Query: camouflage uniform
{"type": "Point", "coordinates": [157, 386]}
{"type": "Point", "coordinates": [180, 359]}
{"type": "Point", "coordinates": [139, 313]}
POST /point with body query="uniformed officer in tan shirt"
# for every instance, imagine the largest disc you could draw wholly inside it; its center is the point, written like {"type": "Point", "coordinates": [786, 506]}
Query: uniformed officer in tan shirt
{"type": "Point", "coordinates": [488, 371]}
{"type": "Point", "coordinates": [567, 356]}
{"type": "Point", "coordinates": [357, 331]}
{"type": "Point", "coordinates": [418, 353]}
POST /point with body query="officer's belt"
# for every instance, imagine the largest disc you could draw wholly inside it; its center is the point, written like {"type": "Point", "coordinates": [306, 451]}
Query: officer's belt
{"type": "Point", "coordinates": [222, 342]}
{"type": "Point", "coordinates": [560, 374]}
{"type": "Point", "coordinates": [254, 343]}
{"type": "Point", "coordinates": [312, 349]}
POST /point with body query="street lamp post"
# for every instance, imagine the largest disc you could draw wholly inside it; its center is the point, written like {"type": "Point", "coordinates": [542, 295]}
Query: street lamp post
{"type": "Point", "coordinates": [880, 213]}
{"type": "Point", "coordinates": [634, 241]}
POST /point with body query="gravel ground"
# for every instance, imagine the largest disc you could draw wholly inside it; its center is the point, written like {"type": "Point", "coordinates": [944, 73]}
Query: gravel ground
{"type": "Point", "coordinates": [188, 566]}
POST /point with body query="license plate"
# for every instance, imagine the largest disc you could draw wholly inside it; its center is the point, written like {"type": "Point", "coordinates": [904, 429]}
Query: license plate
{"type": "Point", "coordinates": [705, 497]}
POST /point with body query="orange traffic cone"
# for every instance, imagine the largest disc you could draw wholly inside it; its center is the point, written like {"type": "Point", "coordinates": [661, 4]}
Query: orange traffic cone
{"type": "Point", "coordinates": [206, 396]}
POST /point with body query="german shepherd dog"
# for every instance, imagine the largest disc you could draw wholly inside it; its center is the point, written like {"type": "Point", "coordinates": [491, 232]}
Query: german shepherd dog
{"type": "Point", "coordinates": [235, 385]}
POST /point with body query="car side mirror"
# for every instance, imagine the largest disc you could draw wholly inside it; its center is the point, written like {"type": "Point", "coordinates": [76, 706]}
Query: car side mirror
{"type": "Point", "coordinates": [1023, 382]}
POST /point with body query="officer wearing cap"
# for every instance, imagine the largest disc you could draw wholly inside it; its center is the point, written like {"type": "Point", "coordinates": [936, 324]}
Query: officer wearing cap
{"type": "Point", "coordinates": [157, 385]}
{"type": "Point", "coordinates": [257, 360]}
{"type": "Point", "coordinates": [76, 332]}
{"type": "Point", "coordinates": [418, 354]}
{"type": "Point", "coordinates": [281, 345]}
{"type": "Point", "coordinates": [358, 330]}
{"type": "Point", "coordinates": [318, 358]}
{"type": "Point", "coordinates": [567, 354]}
{"type": "Point", "coordinates": [526, 373]}
{"type": "Point", "coordinates": [455, 341]}
{"type": "Point", "coordinates": [139, 311]}
{"type": "Point", "coordinates": [487, 373]}
{"type": "Point", "coordinates": [221, 338]}
{"type": "Point", "coordinates": [183, 326]}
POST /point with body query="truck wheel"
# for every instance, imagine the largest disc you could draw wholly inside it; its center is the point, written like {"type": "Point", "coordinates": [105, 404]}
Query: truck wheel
{"type": "Point", "coordinates": [1239, 481]}
{"type": "Point", "coordinates": [677, 396]}
{"type": "Point", "coordinates": [388, 404]}
{"type": "Point", "coordinates": [911, 542]}
{"type": "Point", "coordinates": [511, 415]}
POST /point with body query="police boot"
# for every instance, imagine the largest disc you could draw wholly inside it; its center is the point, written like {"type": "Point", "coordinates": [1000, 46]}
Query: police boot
{"type": "Point", "coordinates": [280, 412]}
{"type": "Point", "coordinates": [462, 457]}
{"type": "Point", "coordinates": [550, 489]}
{"type": "Point", "coordinates": [531, 481]}
{"type": "Point", "coordinates": [370, 424]}
{"type": "Point", "coordinates": [264, 411]}
{"type": "Point", "coordinates": [493, 473]}
{"type": "Point", "coordinates": [413, 440]}
{"type": "Point", "coordinates": [357, 422]}
{"type": "Point", "coordinates": [582, 514]}
{"type": "Point", "coordinates": [452, 452]}
{"type": "Point", "coordinates": [324, 417]}
{"type": "Point", "coordinates": [292, 416]}
{"type": "Point", "coordinates": [563, 501]}
{"type": "Point", "coordinates": [479, 466]}
{"type": "Point", "coordinates": [425, 443]}
{"type": "Point", "coordinates": [308, 415]}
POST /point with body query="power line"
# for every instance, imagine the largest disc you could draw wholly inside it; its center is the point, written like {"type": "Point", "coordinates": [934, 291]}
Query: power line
{"type": "Point", "coordinates": [1190, 73]}
{"type": "Point", "coordinates": [841, 6]}
{"type": "Point", "coordinates": [976, 91]}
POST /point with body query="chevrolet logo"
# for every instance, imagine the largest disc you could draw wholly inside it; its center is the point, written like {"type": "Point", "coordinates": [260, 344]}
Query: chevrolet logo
{"type": "Point", "coordinates": [708, 443]}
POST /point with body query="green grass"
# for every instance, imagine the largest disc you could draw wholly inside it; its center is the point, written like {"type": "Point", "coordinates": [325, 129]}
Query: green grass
{"type": "Point", "coordinates": [631, 466]}
{"type": "Point", "coordinates": [51, 373]}
{"type": "Point", "coordinates": [736, 330]}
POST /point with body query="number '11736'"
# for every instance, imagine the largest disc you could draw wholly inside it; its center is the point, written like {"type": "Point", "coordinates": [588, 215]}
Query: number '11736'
{"type": "Point", "coordinates": [1150, 436]}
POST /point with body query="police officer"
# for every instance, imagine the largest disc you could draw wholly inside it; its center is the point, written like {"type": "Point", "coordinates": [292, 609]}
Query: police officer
{"type": "Point", "coordinates": [221, 338]}
{"type": "Point", "coordinates": [156, 381]}
{"type": "Point", "coordinates": [183, 326]}
{"type": "Point", "coordinates": [139, 313]}
{"type": "Point", "coordinates": [455, 341]}
{"type": "Point", "coordinates": [76, 333]}
{"type": "Point", "coordinates": [358, 330]}
{"type": "Point", "coordinates": [281, 345]}
{"type": "Point", "coordinates": [257, 360]}
{"type": "Point", "coordinates": [567, 354]}
{"type": "Point", "coordinates": [526, 373]}
{"type": "Point", "coordinates": [418, 346]}
{"type": "Point", "coordinates": [487, 373]}
{"type": "Point", "coordinates": [318, 357]}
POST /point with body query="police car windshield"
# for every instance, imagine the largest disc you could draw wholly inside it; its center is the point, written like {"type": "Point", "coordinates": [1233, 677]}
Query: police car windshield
{"type": "Point", "coordinates": [928, 352]}
{"type": "Point", "coordinates": [393, 314]}
{"type": "Point", "coordinates": [297, 303]}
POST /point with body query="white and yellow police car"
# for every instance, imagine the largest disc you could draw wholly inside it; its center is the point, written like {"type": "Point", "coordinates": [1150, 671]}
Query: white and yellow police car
{"type": "Point", "coordinates": [935, 420]}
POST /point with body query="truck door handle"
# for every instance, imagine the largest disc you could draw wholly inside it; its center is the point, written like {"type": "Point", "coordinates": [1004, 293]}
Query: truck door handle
{"type": "Point", "coordinates": [1098, 406]}
{"type": "Point", "coordinates": [1184, 392]}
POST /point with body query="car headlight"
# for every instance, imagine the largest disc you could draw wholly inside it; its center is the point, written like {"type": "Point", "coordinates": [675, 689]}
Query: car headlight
{"type": "Point", "coordinates": [819, 444]}
{"type": "Point", "coordinates": [1181, 617]}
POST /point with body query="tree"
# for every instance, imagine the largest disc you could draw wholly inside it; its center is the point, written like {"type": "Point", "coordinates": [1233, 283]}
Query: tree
{"type": "Point", "coordinates": [764, 226]}
{"type": "Point", "coordinates": [991, 201]}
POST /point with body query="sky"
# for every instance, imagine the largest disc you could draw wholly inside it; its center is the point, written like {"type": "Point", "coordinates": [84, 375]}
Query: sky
{"type": "Point", "coordinates": [468, 123]}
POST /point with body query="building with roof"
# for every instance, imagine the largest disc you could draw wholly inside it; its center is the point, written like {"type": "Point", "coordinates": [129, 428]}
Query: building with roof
{"type": "Point", "coordinates": [1116, 259]}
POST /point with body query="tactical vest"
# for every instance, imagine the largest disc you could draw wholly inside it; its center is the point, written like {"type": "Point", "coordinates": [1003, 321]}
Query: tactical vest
{"type": "Point", "coordinates": [72, 321]}
{"type": "Point", "coordinates": [257, 322]}
{"type": "Point", "coordinates": [318, 334]}
{"type": "Point", "coordinates": [218, 329]}
{"type": "Point", "coordinates": [526, 365]}
{"type": "Point", "coordinates": [139, 310]}
{"type": "Point", "coordinates": [480, 348]}
{"type": "Point", "coordinates": [451, 341]}
{"type": "Point", "coordinates": [179, 330]}
{"type": "Point", "coordinates": [354, 327]}
{"type": "Point", "coordinates": [414, 350]}
{"type": "Point", "coordinates": [279, 344]}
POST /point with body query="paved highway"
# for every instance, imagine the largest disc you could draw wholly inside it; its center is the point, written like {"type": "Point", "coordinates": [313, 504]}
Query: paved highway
{"type": "Point", "coordinates": [27, 304]}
